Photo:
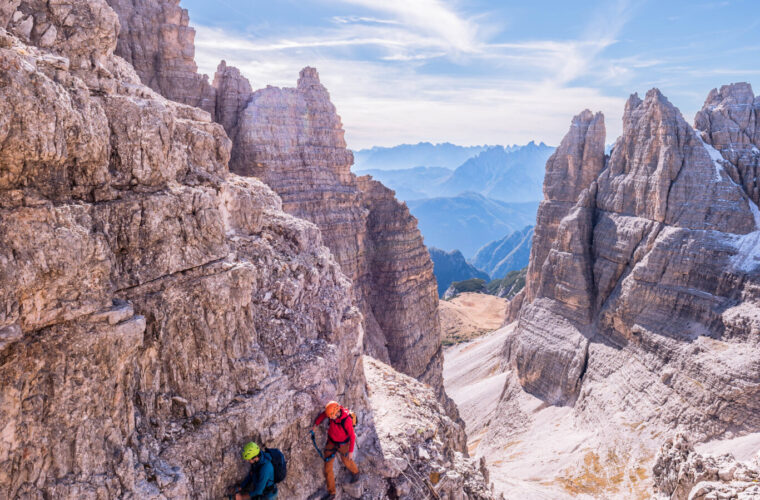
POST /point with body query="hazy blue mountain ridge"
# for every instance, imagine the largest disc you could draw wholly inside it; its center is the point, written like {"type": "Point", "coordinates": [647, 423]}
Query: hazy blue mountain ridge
{"type": "Point", "coordinates": [452, 266]}
{"type": "Point", "coordinates": [513, 175]}
{"type": "Point", "coordinates": [423, 154]}
{"type": "Point", "coordinates": [412, 183]}
{"type": "Point", "coordinates": [470, 220]}
{"type": "Point", "coordinates": [494, 191]}
{"type": "Point", "coordinates": [510, 253]}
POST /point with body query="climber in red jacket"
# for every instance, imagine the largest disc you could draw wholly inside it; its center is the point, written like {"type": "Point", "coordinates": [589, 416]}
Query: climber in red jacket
{"type": "Point", "coordinates": [340, 438]}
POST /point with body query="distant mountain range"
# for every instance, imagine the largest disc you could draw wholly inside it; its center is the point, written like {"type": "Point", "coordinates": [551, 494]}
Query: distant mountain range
{"type": "Point", "coordinates": [452, 266]}
{"type": "Point", "coordinates": [469, 221]}
{"type": "Point", "coordinates": [423, 154]}
{"type": "Point", "coordinates": [465, 197]}
{"type": "Point", "coordinates": [412, 183]}
{"type": "Point", "coordinates": [510, 253]}
{"type": "Point", "coordinates": [512, 174]}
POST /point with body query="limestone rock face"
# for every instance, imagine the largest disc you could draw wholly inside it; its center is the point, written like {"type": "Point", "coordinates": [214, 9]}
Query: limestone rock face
{"type": "Point", "coordinates": [293, 140]}
{"type": "Point", "coordinates": [418, 441]}
{"type": "Point", "coordinates": [155, 38]}
{"type": "Point", "coordinates": [730, 122]}
{"type": "Point", "coordinates": [680, 473]}
{"type": "Point", "coordinates": [552, 356]}
{"type": "Point", "coordinates": [565, 179]}
{"type": "Point", "coordinates": [83, 32]}
{"type": "Point", "coordinates": [642, 288]}
{"type": "Point", "coordinates": [156, 312]}
{"type": "Point", "coordinates": [233, 92]}
{"type": "Point", "coordinates": [402, 289]}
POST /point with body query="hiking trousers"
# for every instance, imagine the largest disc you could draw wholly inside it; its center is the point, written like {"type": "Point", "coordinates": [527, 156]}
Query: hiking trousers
{"type": "Point", "coordinates": [331, 448]}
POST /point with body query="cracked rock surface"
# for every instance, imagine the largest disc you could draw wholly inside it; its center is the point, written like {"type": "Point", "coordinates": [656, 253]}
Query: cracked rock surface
{"type": "Point", "coordinates": [641, 312]}
{"type": "Point", "coordinates": [680, 473]}
{"type": "Point", "coordinates": [293, 140]}
{"type": "Point", "coordinates": [156, 311]}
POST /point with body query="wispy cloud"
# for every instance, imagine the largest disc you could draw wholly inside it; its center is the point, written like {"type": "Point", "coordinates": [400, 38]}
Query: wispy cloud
{"type": "Point", "coordinates": [407, 70]}
{"type": "Point", "coordinates": [388, 101]}
{"type": "Point", "coordinates": [432, 17]}
{"type": "Point", "coordinates": [361, 19]}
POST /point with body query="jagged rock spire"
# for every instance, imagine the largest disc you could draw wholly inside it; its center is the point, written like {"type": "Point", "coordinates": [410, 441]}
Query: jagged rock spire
{"type": "Point", "coordinates": [730, 122]}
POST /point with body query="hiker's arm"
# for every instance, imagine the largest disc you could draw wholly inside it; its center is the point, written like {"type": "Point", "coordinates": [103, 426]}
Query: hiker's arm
{"type": "Point", "coordinates": [320, 418]}
{"type": "Point", "coordinates": [247, 481]}
{"type": "Point", "coordinates": [265, 473]}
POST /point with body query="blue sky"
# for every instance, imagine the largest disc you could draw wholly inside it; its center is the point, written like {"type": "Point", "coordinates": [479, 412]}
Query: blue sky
{"type": "Point", "coordinates": [483, 71]}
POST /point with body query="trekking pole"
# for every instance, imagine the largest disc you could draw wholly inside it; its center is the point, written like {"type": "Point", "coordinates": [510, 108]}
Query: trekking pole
{"type": "Point", "coordinates": [314, 442]}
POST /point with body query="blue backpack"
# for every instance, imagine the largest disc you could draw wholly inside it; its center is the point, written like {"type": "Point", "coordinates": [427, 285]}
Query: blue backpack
{"type": "Point", "coordinates": [279, 464]}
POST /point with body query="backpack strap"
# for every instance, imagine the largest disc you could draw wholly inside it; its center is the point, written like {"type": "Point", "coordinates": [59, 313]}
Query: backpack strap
{"type": "Point", "coordinates": [343, 421]}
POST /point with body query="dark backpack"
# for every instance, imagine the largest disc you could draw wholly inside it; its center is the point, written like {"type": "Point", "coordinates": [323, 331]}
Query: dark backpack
{"type": "Point", "coordinates": [349, 414]}
{"type": "Point", "coordinates": [279, 464]}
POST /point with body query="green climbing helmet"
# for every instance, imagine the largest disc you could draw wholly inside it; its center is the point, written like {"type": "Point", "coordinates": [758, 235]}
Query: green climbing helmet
{"type": "Point", "coordinates": [250, 450]}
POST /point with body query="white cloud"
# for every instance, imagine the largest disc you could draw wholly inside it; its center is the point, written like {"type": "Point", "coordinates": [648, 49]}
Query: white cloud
{"type": "Point", "coordinates": [388, 104]}
{"type": "Point", "coordinates": [529, 91]}
{"type": "Point", "coordinates": [431, 17]}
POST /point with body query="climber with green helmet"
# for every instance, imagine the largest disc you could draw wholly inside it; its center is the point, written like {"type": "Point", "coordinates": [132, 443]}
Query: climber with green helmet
{"type": "Point", "coordinates": [259, 484]}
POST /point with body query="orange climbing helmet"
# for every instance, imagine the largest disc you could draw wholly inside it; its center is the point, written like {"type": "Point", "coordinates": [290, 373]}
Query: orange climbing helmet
{"type": "Point", "coordinates": [332, 409]}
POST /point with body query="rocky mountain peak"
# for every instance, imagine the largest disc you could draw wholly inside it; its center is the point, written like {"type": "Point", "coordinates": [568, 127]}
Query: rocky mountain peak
{"type": "Point", "coordinates": [661, 170]}
{"type": "Point", "coordinates": [633, 102]}
{"type": "Point", "coordinates": [641, 302]}
{"type": "Point", "coordinates": [578, 159]}
{"type": "Point", "coordinates": [233, 91]}
{"type": "Point", "coordinates": [730, 122]}
{"type": "Point", "coordinates": [308, 78]}
{"type": "Point", "coordinates": [572, 168]}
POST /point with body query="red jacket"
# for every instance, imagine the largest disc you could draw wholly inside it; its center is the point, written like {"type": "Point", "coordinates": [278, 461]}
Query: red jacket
{"type": "Point", "coordinates": [336, 432]}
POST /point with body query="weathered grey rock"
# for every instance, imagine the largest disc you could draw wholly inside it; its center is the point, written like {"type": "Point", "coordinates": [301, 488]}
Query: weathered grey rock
{"type": "Point", "coordinates": [419, 442]}
{"type": "Point", "coordinates": [293, 140]}
{"type": "Point", "coordinates": [233, 92]}
{"type": "Point", "coordinates": [680, 473]}
{"type": "Point", "coordinates": [551, 356]}
{"type": "Point", "coordinates": [730, 122]}
{"type": "Point", "coordinates": [83, 32]}
{"type": "Point", "coordinates": [156, 312]}
{"type": "Point", "coordinates": [574, 165]}
{"type": "Point", "coordinates": [642, 289]}
{"type": "Point", "coordinates": [155, 38]}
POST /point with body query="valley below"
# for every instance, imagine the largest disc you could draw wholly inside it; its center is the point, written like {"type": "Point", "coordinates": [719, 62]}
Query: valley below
{"type": "Point", "coordinates": [536, 450]}
{"type": "Point", "coordinates": [470, 315]}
